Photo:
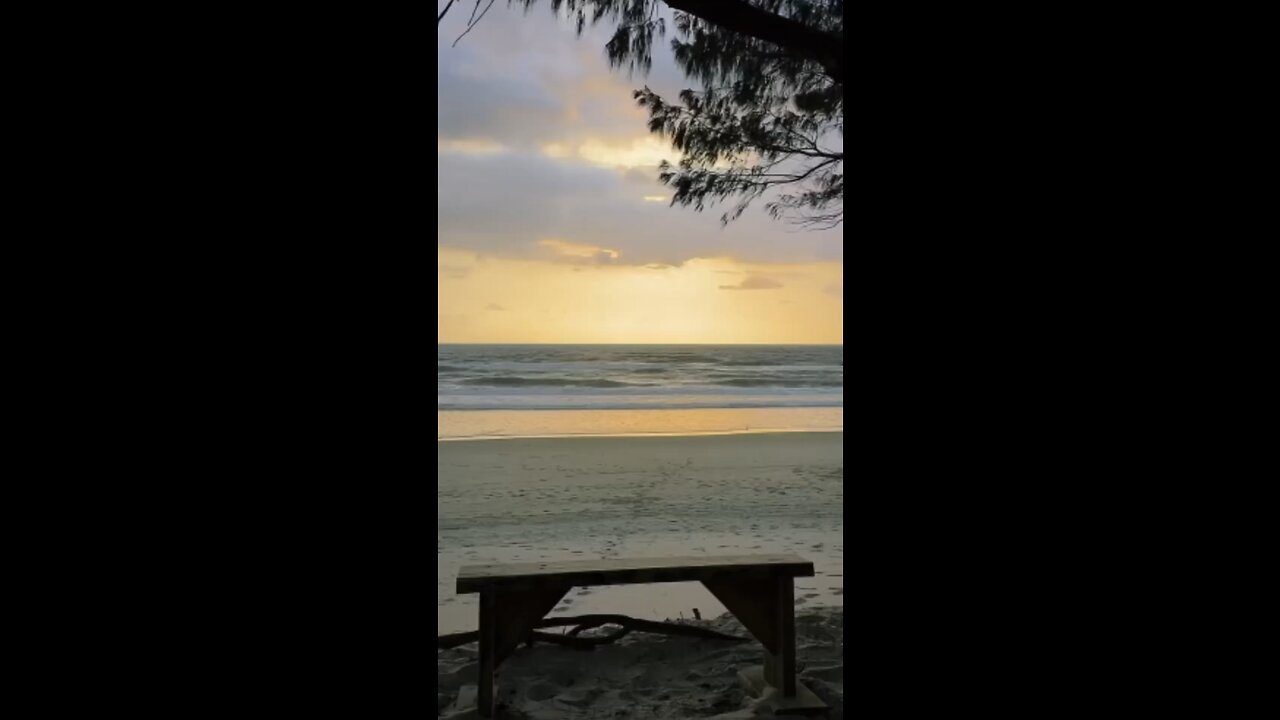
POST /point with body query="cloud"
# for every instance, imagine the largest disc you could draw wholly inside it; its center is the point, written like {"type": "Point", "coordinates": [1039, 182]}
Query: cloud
{"type": "Point", "coordinates": [580, 253]}
{"type": "Point", "coordinates": [538, 138]}
{"type": "Point", "coordinates": [755, 282]}
{"type": "Point", "coordinates": [469, 146]}
{"type": "Point", "coordinates": [632, 303]}
{"type": "Point", "coordinates": [494, 307]}
{"type": "Point", "coordinates": [526, 80]}
{"type": "Point", "coordinates": [644, 151]}
{"type": "Point", "coordinates": [836, 289]}
{"type": "Point", "coordinates": [503, 204]}
{"type": "Point", "coordinates": [453, 271]}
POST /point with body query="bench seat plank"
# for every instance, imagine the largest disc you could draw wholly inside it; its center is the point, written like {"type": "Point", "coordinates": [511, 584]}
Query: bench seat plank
{"type": "Point", "coordinates": [621, 571]}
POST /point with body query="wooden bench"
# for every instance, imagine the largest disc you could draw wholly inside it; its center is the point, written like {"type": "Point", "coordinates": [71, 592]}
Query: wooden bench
{"type": "Point", "coordinates": [758, 589]}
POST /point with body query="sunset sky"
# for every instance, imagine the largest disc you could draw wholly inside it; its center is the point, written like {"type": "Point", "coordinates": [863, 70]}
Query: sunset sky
{"type": "Point", "coordinates": [553, 227]}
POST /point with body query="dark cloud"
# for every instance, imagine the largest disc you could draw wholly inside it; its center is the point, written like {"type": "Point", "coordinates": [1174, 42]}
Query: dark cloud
{"type": "Point", "coordinates": [755, 282]}
{"type": "Point", "coordinates": [522, 81]}
{"type": "Point", "coordinates": [527, 80]}
{"type": "Point", "coordinates": [505, 204]}
{"type": "Point", "coordinates": [494, 307]}
{"type": "Point", "coordinates": [510, 107]}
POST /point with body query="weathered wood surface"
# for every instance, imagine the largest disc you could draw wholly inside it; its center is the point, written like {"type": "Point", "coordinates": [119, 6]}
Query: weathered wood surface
{"type": "Point", "coordinates": [582, 573]}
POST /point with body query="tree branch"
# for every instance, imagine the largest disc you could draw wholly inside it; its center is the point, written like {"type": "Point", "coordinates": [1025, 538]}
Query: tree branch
{"type": "Point", "coordinates": [475, 20]}
{"type": "Point", "coordinates": [741, 17]}
{"type": "Point", "coordinates": [445, 10]}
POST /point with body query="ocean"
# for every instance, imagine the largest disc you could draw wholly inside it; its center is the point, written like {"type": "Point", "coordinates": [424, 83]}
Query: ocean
{"type": "Point", "coordinates": [561, 390]}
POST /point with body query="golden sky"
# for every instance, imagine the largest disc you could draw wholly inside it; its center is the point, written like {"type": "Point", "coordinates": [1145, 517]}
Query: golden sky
{"type": "Point", "coordinates": [552, 227]}
{"type": "Point", "coordinates": [581, 299]}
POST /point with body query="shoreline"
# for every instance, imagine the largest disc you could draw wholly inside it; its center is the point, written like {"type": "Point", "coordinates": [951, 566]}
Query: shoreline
{"type": "Point", "coordinates": [477, 424]}
{"type": "Point", "coordinates": [588, 436]}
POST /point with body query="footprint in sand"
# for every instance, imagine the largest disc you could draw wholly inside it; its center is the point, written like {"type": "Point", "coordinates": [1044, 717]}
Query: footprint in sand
{"type": "Point", "coordinates": [580, 697]}
{"type": "Point", "coordinates": [542, 691]}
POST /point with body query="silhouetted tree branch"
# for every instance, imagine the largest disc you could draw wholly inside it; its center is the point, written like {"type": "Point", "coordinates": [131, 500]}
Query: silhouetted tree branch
{"type": "Point", "coordinates": [770, 114]}
{"type": "Point", "coordinates": [444, 11]}
{"type": "Point", "coordinates": [754, 21]}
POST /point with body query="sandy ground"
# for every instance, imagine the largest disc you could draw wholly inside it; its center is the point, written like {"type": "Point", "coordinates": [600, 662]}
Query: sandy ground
{"type": "Point", "coordinates": [602, 497]}
{"type": "Point", "coordinates": [646, 676]}
{"type": "Point", "coordinates": [581, 498]}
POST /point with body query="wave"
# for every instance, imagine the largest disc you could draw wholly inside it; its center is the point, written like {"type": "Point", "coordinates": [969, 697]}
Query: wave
{"type": "Point", "coordinates": [654, 376]}
{"type": "Point", "coordinates": [797, 362]}
{"type": "Point", "coordinates": [770, 382]}
{"type": "Point", "coordinates": [672, 359]}
{"type": "Point", "coordinates": [551, 382]}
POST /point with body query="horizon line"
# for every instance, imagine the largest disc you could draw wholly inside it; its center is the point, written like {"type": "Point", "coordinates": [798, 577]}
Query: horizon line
{"type": "Point", "coordinates": [758, 344]}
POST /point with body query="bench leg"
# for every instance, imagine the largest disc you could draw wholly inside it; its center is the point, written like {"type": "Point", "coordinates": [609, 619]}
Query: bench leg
{"type": "Point", "coordinates": [786, 655]}
{"type": "Point", "coordinates": [506, 619]}
{"type": "Point", "coordinates": [767, 609]}
{"type": "Point", "coordinates": [488, 652]}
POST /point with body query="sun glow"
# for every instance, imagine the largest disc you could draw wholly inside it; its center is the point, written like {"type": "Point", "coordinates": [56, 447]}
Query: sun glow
{"type": "Point", "coordinates": [704, 300]}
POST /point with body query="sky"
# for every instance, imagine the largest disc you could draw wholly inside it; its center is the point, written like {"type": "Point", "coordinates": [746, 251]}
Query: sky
{"type": "Point", "coordinates": [553, 227]}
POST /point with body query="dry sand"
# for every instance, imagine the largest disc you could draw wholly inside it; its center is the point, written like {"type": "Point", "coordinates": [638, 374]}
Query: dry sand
{"type": "Point", "coordinates": [646, 676]}
{"type": "Point", "coordinates": [582, 498]}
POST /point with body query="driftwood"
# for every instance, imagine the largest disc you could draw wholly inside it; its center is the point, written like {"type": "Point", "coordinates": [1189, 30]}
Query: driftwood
{"type": "Point", "coordinates": [574, 637]}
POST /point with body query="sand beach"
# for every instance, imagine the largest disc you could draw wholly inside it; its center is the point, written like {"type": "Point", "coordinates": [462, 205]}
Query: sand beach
{"type": "Point", "coordinates": [519, 500]}
{"type": "Point", "coordinates": [647, 677]}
